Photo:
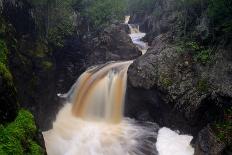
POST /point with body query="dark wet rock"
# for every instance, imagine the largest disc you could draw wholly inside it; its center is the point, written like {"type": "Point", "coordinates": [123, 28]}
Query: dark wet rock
{"type": "Point", "coordinates": [8, 100]}
{"type": "Point", "coordinates": [112, 44]}
{"type": "Point", "coordinates": [171, 16]}
{"type": "Point", "coordinates": [148, 105]}
{"type": "Point", "coordinates": [208, 144]}
{"type": "Point", "coordinates": [185, 85]}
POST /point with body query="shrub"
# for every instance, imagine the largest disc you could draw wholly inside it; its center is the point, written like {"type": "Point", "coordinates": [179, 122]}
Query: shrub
{"type": "Point", "coordinates": [203, 56]}
{"type": "Point", "coordinates": [202, 85]}
{"type": "Point", "coordinates": [3, 52]}
{"type": "Point", "coordinates": [17, 137]}
{"type": "Point", "coordinates": [223, 128]}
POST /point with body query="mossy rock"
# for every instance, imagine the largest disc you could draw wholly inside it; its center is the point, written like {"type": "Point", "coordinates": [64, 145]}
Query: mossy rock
{"type": "Point", "coordinates": [17, 137]}
{"type": "Point", "coordinates": [3, 52]}
{"type": "Point", "coordinates": [202, 86]}
{"type": "Point", "coordinates": [223, 129]}
{"type": "Point", "coordinates": [165, 80]}
{"type": "Point", "coordinates": [8, 96]}
{"type": "Point", "coordinates": [47, 65]}
{"type": "Point", "coordinates": [41, 49]}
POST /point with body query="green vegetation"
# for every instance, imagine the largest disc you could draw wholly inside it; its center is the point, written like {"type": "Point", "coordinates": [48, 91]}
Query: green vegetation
{"type": "Point", "coordinates": [59, 19]}
{"type": "Point", "coordinates": [220, 12]}
{"type": "Point", "coordinates": [165, 80]}
{"type": "Point", "coordinates": [47, 65]}
{"type": "Point", "coordinates": [6, 74]}
{"type": "Point", "coordinates": [203, 56]}
{"type": "Point", "coordinates": [3, 52]}
{"type": "Point", "coordinates": [223, 128]}
{"type": "Point", "coordinates": [16, 137]}
{"type": "Point", "coordinates": [200, 54]}
{"type": "Point", "coordinates": [100, 13]}
{"type": "Point", "coordinates": [41, 50]}
{"type": "Point", "coordinates": [140, 6]}
{"type": "Point", "coordinates": [4, 71]}
{"type": "Point", "coordinates": [202, 85]}
{"type": "Point", "coordinates": [103, 12]}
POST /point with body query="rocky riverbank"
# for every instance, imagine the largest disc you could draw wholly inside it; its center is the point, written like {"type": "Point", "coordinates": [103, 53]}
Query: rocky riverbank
{"type": "Point", "coordinates": [184, 83]}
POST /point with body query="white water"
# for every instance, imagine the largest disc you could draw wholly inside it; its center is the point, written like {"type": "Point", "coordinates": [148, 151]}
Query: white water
{"type": "Point", "coordinates": [93, 124]}
{"type": "Point", "coordinates": [171, 143]}
{"type": "Point", "coordinates": [74, 136]}
{"type": "Point", "coordinates": [137, 36]}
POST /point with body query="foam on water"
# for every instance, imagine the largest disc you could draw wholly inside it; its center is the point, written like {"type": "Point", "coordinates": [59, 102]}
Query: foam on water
{"type": "Point", "coordinates": [171, 143]}
{"type": "Point", "coordinates": [73, 136]}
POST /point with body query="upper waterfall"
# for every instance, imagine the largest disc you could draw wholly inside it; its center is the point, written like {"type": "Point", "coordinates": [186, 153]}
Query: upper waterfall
{"type": "Point", "coordinates": [137, 36]}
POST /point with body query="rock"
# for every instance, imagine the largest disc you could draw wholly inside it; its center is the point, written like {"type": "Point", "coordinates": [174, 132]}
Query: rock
{"type": "Point", "coordinates": [208, 144]}
{"type": "Point", "coordinates": [195, 91]}
{"type": "Point", "coordinates": [113, 44]}
{"type": "Point", "coordinates": [8, 100]}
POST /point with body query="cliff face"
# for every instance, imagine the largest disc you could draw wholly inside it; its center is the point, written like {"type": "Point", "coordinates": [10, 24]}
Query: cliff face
{"type": "Point", "coordinates": [183, 74]}
{"type": "Point", "coordinates": [42, 64]}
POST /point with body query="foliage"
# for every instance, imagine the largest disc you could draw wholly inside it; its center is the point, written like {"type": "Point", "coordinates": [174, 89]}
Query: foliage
{"type": "Point", "coordinates": [100, 13]}
{"type": "Point", "coordinates": [3, 52]}
{"type": "Point", "coordinates": [202, 85]}
{"type": "Point", "coordinates": [165, 80]}
{"type": "Point", "coordinates": [200, 53]}
{"type": "Point", "coordinates": [4, 71]}
{"type": "Point", "coordinates": [204, 56]}
{"type": "Point", "coordinates": [47, 65]}
{"type": "Point", "coordinates": [223, 128]}
{"type": "Point", "coordinates": [41, 50]}
{"type": "Point", "coordinates": [140, 6]}
{"type": "Point", "coordinates": [62, 17]}
{"type": "Point", "coordinates": [58, 23]}
{"type": "Point", "coordinates": [220, 12]}
{"type": "Point", "coordinates": [15, 138]}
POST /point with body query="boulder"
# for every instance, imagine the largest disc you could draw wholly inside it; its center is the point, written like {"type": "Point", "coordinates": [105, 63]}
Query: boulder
{"type": "Point", "coordinates": [208, 144]}
{"type": "Point", "coordinates": [113, 44]}
{"type": "Point", "coordinates": [190, 89]}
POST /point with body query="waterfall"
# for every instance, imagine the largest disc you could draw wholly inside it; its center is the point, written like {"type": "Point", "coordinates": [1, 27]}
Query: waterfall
{"type": "Point", "coordinates": [92, 122]}
{"type": "Point", "coordinates": [100, 93]}
{"type": "Point", "coordinates": [137, 36]}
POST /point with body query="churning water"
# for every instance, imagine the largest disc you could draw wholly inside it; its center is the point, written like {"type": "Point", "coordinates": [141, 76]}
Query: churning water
{"type": "Point", "coordinates": [92, 122]}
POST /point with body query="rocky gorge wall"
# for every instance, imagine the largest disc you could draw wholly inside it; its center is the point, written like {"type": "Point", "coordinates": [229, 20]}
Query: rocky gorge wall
{"type": "Point", "coordinates": [184, 85]}
{"type": "Point", "coordinates": [38, 70]}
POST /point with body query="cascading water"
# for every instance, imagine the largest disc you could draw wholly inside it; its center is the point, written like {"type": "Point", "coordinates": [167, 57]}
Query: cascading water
{"type": "Point", "coordinates": [92, 121]}
{"type": "Point", "coordinates": [136, 36]}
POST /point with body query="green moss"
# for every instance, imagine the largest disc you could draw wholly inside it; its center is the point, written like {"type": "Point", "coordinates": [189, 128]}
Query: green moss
{"type": "Point", "coordinates": [202, 85]}
{"type": "Point", "coordinates": [223, 129]}
{"type": "Point", "coordinates": [179, 49]}
{"type": "Point", "coordinates": [192, 45]}
{"type": "Point", "coordinates": [3, 52]}
{"type": "Point", "coordinates": [203, 56]}
{"type": "Point", "coordinates": [16, 137]}
{"type": "Point", "coordinates": [34, 149]}
{"type": "Point", "coordinates": [41, 50]}
{"type": "Point", "coordinates": [2, 26]}
{"type": "Point", "coordinates": [165, 80]}
{"type": "Point", "coordinates": [4, 71]}
{"type": "Point", "coordinates": [47, 65]}
{"type": "Point", "coordinates": [200, 53]}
